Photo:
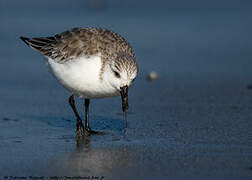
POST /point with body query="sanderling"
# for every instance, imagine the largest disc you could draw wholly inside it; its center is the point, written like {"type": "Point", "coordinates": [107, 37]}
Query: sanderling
{"type": "Point", "coordinates": [90, 63]}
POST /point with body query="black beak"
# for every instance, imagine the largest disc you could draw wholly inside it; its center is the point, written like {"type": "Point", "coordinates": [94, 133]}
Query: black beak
{"type": "Point", "coordinates": [124, 95]}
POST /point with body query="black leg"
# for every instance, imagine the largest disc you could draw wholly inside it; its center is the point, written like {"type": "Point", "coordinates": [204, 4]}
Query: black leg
{"type": "Point", "coordinates": [87, 128]}
{"type": "Point", "coordinates": [87, 101]}
{"type": "Point", "coordinates": [79, 125]}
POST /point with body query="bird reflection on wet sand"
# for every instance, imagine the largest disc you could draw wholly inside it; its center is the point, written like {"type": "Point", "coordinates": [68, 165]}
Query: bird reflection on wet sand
{"type": "Point", "coordinates": [91, 158]}
{"type": "Point", "coordinates": [83, 142]}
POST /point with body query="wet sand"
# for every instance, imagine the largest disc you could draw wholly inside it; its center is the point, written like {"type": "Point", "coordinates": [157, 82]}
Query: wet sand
{"type": "Point", "coordinates": [193, 122]}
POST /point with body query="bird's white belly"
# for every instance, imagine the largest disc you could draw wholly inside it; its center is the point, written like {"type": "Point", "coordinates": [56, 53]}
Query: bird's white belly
{"type": "Point", "coordinates": [81, 77]}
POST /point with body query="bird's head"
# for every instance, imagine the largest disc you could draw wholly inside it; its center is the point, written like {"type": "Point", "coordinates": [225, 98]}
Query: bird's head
{"type": "Point", "coordinates": [121, 72]}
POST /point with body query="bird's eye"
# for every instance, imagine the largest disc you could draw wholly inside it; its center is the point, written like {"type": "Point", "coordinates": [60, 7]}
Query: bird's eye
{"type": "Point", "coordinates": [117, 74]}
{"type": "Point", "coordinates": [133, 80]}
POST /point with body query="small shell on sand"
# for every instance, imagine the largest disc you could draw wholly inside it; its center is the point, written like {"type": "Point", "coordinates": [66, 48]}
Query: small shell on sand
{"type": "Point", "coordinates": [152, 76]}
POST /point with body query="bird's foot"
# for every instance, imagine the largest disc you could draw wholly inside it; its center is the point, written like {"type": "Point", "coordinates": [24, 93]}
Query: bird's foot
{"type": "Point", "coordinates": [90, 131]}
{"type": "Point", "coordinates": [80, 130]}
{"type": "Point", "coordinates": [86, 131]}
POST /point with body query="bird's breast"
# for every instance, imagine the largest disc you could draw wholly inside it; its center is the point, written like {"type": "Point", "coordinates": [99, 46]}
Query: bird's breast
{"type": "Point", "coordinates": [82, 77]}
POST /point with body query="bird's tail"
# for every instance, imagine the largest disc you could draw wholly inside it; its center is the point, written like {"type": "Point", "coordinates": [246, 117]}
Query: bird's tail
{"type": "Point", "coordinates": [38, 43]}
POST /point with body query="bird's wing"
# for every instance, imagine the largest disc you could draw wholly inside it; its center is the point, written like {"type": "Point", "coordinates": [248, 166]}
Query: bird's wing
{"type": "Point", "coordinates": [78, 42]}
{"type": "Point", "coordinates": [64, 46]}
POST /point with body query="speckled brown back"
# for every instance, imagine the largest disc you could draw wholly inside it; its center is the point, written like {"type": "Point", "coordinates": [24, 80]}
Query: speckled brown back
{"type": "Point", "coordinates": [81, 42]}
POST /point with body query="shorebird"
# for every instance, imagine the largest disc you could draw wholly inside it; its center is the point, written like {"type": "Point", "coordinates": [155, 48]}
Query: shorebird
{"type": "Point", "coordinates": [90, 63]}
